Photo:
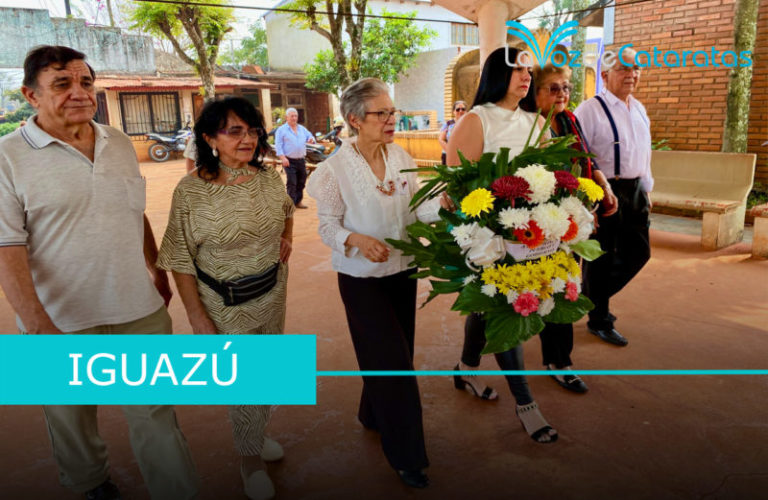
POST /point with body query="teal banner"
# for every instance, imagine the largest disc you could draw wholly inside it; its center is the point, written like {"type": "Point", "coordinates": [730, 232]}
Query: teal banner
{"type": "Point", "coordinates": [158, 369]}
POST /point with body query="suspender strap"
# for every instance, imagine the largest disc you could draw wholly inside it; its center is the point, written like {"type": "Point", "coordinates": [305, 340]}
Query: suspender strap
{"type": "Point", "coordinates": [616, 146]}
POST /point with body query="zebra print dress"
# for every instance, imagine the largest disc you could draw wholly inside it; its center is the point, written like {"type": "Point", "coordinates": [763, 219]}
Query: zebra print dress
{"type": "Point", "coordinates": [231, 231]}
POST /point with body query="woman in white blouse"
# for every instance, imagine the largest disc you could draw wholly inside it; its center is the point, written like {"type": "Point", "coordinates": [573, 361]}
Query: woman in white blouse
{"type": "Point", "coordinates": [362, 198]}
{"type": "Point", "coordinates": [498, 120]}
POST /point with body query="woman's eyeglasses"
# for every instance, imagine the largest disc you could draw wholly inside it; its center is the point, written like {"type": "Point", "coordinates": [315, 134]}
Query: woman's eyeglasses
{"type": "Point", "coordinates": [460, 109]}
{"type": "Point", "coordinates": [384, 116]}
{"type": "Point", "coordinates": [240, 132]}
{"type": "Point", "coordinates": [555, 89]}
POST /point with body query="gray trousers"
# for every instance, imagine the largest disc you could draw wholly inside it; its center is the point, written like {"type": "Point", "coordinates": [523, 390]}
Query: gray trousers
{"type": "Point", "coordinates": [158, 444]}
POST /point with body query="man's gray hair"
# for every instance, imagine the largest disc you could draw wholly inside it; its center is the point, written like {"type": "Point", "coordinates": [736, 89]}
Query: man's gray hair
{"type": "Point", "coordinates": [289, 110]}
{"type": "Point", "coordinates": [354, 98]}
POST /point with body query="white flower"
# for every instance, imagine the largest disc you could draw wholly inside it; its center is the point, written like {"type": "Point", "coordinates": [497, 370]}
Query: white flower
{"type": "Point", "coordinates": [541, 181]}
{"type": "Point", "coordinates": [572, 205]}
{"type": "Point", "coordinates": [463, 234]}
{"type": "Point", "coordinates": [514, 218]}
{"type": "Point", "coordinates": [487, 252]}
{"type": "Point", "coordinates": [546, 306]}
{"type": "Point", "coordinates": [489, 290]}
{"type": "Point", "coordinates": [469, 279]}
{"type": "Point", "coordinates": [558, 285]}
{"type": "Point", "coordinates": [584, 232]}
{"type": "Point", "coordinates": [576, 279]}
{"type": "Point", "coordinates": [552, 219]}
{"type": "Point", "coordinates": [512, 296]}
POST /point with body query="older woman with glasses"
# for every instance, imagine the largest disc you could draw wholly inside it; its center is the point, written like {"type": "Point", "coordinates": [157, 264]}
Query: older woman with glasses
{"type": "Point", "coordinates": [553, 91]}
{"type": "Point", "coordinates": [362, 198]}
{"type": "Point", "coordinates": [227, 243]}
{"type": "Point", "coordinates": [459, 110]}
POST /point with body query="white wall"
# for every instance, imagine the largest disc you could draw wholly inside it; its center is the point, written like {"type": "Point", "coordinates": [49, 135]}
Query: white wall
{"type": "Point", "coordinates": [423, 87]}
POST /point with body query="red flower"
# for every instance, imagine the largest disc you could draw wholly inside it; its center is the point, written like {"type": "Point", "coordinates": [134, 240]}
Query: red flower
{"type": "Point", "coordinates": [566, 180]}
{"type": "Point", "coordinates": [510, 187]}
{"type": "Point", "coordinates": [531, 237]}
{"type": "Point", "coordinates": [571, 292]}
{"type": "Point", "coordinates": [526, 304]}
{"type": "Point", "coordinates": [573, 230]}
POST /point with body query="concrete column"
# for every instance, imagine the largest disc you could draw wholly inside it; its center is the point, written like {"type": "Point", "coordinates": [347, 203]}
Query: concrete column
{"type": "Point", "coordinates": [491, 21]}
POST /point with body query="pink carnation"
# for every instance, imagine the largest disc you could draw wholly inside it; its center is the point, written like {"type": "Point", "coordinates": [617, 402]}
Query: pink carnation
{"type": "Point", "coordinates": [526, 304]}
{"type": "Point", "coordinates": [571, 291]}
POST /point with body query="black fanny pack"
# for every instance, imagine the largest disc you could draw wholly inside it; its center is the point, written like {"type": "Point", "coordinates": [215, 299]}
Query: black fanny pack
{"type": "Point", "coordinates": [243, 289]}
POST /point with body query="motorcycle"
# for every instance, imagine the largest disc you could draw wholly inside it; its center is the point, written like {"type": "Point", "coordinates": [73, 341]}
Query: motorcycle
{"type": "Point", "coordinates": [161, 150]}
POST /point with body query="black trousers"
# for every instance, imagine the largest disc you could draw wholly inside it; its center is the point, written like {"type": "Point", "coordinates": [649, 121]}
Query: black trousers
{"type": "Point", "coordinates": [474, 342]}
{"type": "Point", "coordinates": [381, 313]}
{"type": "Point", "coordinates": [624, 238]}
{"type": "Point", "coordinates": [296, 179]}
{"type": "Point", "coordinates": [556, 344]}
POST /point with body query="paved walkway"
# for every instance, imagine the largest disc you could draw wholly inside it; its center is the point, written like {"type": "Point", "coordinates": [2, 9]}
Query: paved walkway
{"type": "Point", "coordinates": [630, 437]}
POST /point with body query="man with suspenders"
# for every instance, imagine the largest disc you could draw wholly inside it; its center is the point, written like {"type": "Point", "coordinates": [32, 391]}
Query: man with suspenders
{"type": "Point", "coordinates": [618, 131]}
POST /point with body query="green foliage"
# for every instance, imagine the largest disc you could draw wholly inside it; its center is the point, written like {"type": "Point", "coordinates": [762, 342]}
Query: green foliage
{"type": "Point", "coordinates": [253, 50]}
{"type": "Point", "coordinates": [389, 49]}
{"type": "Point", "coordinates": [24, 112]}
{"type": "Point", "coordinates": [758, 195]}
{"type": "Point", "coordinates": [7, 128]}
{"type": "Point", "coordinates": [661, 145]}
{"type": "Point", "coordinates": [194, 31]}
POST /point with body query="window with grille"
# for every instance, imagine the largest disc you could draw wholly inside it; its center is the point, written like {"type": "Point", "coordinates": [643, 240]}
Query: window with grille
{"type": "Point", "coordinates": [464, 34]}
{"type": "Point", "coordinates": [150, 112]}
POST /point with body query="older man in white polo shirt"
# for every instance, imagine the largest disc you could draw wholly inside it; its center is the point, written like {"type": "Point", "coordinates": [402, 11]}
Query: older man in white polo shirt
{"type": "Point", "coordinates": [618, 131]}
{"type": "Point", "coordinates": [75, 248]}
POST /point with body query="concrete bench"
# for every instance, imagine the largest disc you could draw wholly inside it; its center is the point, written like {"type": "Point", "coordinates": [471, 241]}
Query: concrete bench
{"type": "Point", "coordinates": [760, 236]}
{"type": "Point", "coordinates": [716, 184]}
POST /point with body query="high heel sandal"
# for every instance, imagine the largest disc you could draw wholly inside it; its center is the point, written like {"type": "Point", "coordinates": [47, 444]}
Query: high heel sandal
{"type": "Point", "coordinates": [531, 415]}
{"type": "Point", "coordinates": [489, 393]}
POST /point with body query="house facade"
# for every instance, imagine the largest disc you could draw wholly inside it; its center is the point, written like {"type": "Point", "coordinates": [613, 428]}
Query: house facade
{"type": "Point", "coordinates": [687, 105]}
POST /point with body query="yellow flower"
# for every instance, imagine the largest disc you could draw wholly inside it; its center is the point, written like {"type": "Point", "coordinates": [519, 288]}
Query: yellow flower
{"type": "Point", "coordinates": [478, 201]}
{"type": "Point", "coordinates": [592, 190]}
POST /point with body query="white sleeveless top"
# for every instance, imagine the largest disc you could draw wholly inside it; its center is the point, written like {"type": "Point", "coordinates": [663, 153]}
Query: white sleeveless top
{"type": "Point", "coordinates": [503, 128]}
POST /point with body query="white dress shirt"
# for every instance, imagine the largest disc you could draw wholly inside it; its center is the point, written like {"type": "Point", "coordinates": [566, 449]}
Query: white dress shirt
{"type": "Point", "coordinates": [348, 201]}
{"type": "Point", "coordinates": [634, 128]}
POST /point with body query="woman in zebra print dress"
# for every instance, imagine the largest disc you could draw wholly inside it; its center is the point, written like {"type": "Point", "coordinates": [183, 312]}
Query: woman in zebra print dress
{"type": "Point", "coordinates": [230, 218]}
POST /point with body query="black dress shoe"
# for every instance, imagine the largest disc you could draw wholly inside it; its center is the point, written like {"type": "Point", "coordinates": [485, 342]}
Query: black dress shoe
{"type": "Point", "coordinates": [414, 478]}
{"type": "Point", "coordinates": [571, 382]}
{"type": "Point", "coordinates": [610, 335]}
{"type": "Point", "coordinates": [105, 491]}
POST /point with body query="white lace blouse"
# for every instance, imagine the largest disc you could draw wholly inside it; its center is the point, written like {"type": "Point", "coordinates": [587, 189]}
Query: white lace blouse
{"type": "Point", "coordinates": [349, 202]}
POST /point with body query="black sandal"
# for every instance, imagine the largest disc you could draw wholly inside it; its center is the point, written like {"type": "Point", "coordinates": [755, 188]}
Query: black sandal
{"type": "Point", "coordinates": [545, 430]}
{"type": "Point", "coordinates": [488, 394]}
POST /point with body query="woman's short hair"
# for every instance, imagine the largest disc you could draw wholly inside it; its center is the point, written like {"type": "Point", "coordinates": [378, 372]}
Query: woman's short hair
{"type": "Point", "coordinates": [494, 80]}
{"type": "Point", "coordinates": [214, 118]}
{"type": "Point", "coordinates": [456, 103]}
{"type": "Point", "coordinates": [541, 73]}
{"type": "Point", "coordinates": [354, 98]}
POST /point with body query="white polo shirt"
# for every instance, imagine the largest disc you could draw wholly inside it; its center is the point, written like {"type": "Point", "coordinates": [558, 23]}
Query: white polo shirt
{"type": "Point", "coordinates": [634, 129]}
{"type": "Point", "coordinates": [82, 223]}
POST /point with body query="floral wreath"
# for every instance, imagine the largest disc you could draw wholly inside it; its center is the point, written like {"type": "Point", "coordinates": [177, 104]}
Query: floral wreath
{"type": "Point", "coordinates": [509, 252]}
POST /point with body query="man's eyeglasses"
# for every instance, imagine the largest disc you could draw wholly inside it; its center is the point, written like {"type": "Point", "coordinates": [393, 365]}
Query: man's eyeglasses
{"type": "Point", "coordinates": [384, 116]}
{"type": "Point", "coordinates": [555, 89]}
{"type": "Point", "coordinates": [460, 109]}
{"type": "Point", "coordinates": [240, 132]}
{"type": "Point", "coordinates": [627, 69]}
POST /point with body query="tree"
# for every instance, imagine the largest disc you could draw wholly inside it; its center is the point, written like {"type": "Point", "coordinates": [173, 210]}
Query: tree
{"type": "Point", "coordinates": [253, 50]}
{"type": "Point", "coordinates": [195, 32]}
{"type": "Point", "coordinates": [740, 79]}
{"type": "Point", "coordinates": [560, 14]}
{"type": "Point", "coordinates": [578, 43]}
{"type": "Point", "coordinates": [340, 17]}
{"type": "Point", "coordinates": [387, 48]}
